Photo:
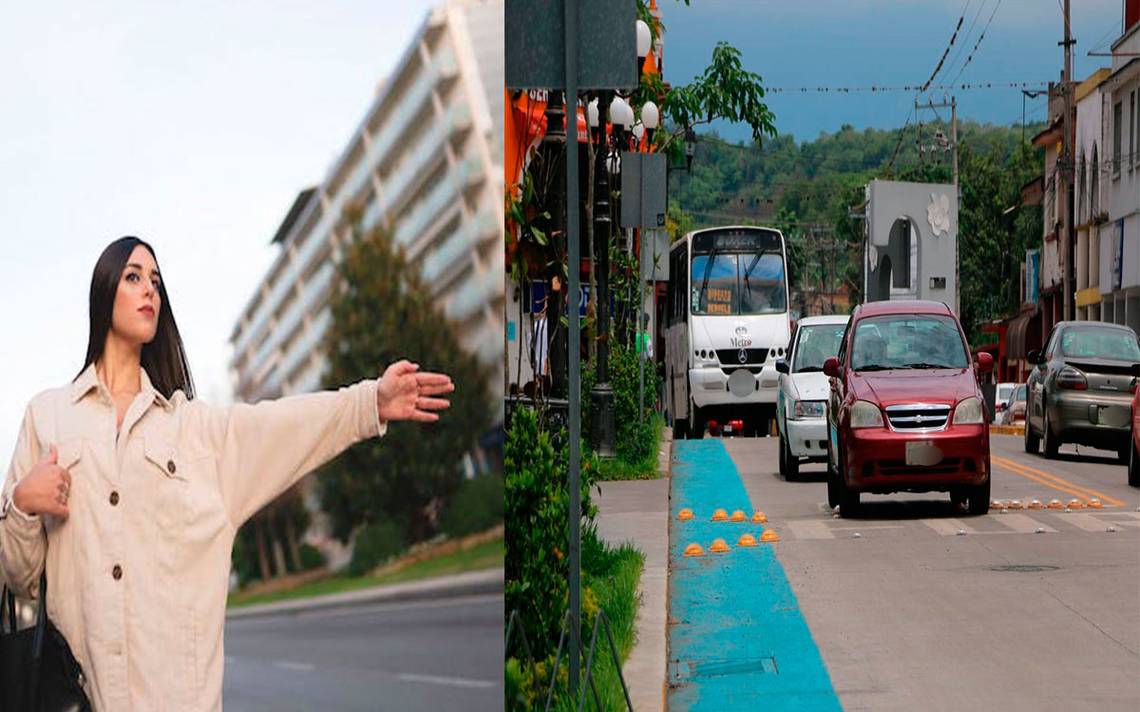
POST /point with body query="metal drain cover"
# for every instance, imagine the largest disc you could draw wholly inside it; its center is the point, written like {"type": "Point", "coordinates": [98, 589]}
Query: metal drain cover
{"type": "Point", "coordinates": [1023, 568]}
{"type": "Point", "coordinates": [681, 670]}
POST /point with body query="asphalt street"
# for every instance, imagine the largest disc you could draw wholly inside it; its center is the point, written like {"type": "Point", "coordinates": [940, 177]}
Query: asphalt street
{"type": "Point", "coordinates": [916, 605]}
{"type": "Point", "coordinates": [429, 655]}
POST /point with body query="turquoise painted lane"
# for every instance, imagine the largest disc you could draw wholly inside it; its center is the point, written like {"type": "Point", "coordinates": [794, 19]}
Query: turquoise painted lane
{"type": "Point", "coordinates": [737, 638]}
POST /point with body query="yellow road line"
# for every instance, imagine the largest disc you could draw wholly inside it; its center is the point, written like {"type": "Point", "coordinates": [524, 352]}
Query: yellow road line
{"type": "Point", "coordinates": [1055, 482]}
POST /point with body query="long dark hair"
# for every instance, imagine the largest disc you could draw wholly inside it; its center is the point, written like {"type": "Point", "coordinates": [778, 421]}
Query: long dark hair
{"type": "Point", "coordinates": [164, 358]}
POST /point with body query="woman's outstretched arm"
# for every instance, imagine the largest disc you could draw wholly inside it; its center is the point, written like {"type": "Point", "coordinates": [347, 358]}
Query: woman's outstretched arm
{"type": "Point", "coordinates": [264, 448]}
{"type": "Point", "coordinates": [23, 542]}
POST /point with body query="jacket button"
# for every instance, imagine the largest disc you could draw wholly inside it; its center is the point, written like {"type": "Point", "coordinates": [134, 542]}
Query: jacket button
{"type": "Point", "coordinates": [170, 466]}
{"type": "Point", "coordinates": [117, 572]}
{"type": "Point", "coordinates": [114, 498]}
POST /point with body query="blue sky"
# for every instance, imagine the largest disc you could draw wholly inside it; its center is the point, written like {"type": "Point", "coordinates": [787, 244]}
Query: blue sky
{"type": "Point", "coordinates": [880, 42]}
{"type": "Point", "coordinates": [191, 125]}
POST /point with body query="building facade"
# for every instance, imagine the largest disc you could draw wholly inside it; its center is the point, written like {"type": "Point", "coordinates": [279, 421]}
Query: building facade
{"type": "Point", "coordinates": [1118, 219]}
{"type": "Point", "coordinates": [425, 165]}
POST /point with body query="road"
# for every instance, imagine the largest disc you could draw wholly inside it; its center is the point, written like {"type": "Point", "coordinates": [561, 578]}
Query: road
{"type": "Point", "coordinates": [917, 606]}
{"type": "Point", "coordinates": [442, 654]}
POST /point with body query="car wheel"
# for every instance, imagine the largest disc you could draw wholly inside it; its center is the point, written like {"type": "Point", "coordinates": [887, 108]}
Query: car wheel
{"type": "Point", "coordinates": [1051, 442]}
{"type": "Point", "coordinates": [789, 463]}
{"type": "Point", "coordinates": [833, 491]}
{"type": "Point", "coordinates": [697, 423]}
{"type": "Point", "coordinates": [848, 498]}
{"type": "Point", "coordinates": [1125, 452]}
{"type": "Point", "coordinates": [1134, 468]}
{"type": "Point", "coordinates": [978, 498]}
{"type": "Point", "coordinates": [1032, 442]}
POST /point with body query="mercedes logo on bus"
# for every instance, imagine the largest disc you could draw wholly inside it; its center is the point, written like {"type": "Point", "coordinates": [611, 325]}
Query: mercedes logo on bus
{"type": "Point", "coordinates": [743, 355]}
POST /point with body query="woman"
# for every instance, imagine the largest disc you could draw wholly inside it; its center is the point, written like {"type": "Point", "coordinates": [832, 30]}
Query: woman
{"type": "Point", "coordinates": [130, 492]}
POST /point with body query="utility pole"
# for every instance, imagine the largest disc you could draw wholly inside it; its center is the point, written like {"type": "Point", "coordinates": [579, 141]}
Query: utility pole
{"type": "Point", "coordinates": [1065, 165]}
{"type": "Point", "coordinates": [951, 145]}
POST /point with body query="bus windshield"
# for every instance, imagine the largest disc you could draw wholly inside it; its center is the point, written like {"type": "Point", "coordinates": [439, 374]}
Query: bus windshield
{"type": "Point", "coordinates": [726, 284]}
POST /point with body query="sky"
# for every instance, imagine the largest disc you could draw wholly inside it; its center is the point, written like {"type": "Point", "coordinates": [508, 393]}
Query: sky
{"type": "Point", "coordinates": [190, 125]}
{"type": "Point", "coordinates": [886, 42]}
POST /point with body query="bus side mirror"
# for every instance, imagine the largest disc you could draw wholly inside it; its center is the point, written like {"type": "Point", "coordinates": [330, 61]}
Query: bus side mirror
{"type": "Point", "coordinates": [831, 367]}
{"type": "Point", "coordinates": [782, 366]}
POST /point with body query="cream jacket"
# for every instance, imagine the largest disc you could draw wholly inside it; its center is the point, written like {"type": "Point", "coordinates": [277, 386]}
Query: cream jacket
{"type": "Point", "coordinates": [137, 574]}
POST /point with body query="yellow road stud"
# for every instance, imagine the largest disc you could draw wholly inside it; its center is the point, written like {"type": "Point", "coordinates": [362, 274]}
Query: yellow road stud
{"type": "Point", "coordinates": [720, 516]}
{"type": "Point", "coordinates": [759, 518]}
{"type": "Point", "coordinates": [1014, 504]}
{"type": "Point", "coordinates": [769, 536]}
{"type": "Point", "coordinates": [719, 546]}
{"type": "Point", "coordinates": [1055, 504]}
{"type": "Point", "coordinates": [685, 514]}
{"type": "Point", "coordinates": [694, 549]}
{"type": "Point", "coordinates": [1076, 504]}
{"type": "Point", "coordinates": [738, 516]}
{"type": "Point", "coordinates": [746, 540]}
{"type": "Point", "coordinates": [1036, 504]}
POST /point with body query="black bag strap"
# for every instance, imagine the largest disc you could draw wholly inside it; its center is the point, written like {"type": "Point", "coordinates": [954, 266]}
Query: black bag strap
{"type": "Point", "coordinates": [10, 606]}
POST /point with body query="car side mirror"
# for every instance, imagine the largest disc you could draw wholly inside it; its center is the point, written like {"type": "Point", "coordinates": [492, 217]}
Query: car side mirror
{"type": "Point", "coordinates": [782, 366]}
{"type": "Point", "coordinates": [985, 362]}
{"type": "Point", "coordinates": [1033, 356]}
{"type": "Point", "coordinates": [1136, 370]}
{"type": "Point", "coordinates": [831, 367]}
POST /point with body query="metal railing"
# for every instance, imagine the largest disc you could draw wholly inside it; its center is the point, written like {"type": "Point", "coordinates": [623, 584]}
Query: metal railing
{"type": "Point", "coordinates": [588, 678]}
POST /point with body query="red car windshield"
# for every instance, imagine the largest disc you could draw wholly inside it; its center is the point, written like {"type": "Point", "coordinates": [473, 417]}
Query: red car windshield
{"type": "Point", "coordinates": [907, 341]}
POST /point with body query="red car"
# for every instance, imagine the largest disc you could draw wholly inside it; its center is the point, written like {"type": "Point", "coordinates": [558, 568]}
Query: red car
{"type": "Point", "coordinates": [1134, 457]}
{"type": "Point", "coordinates": [906, 413]}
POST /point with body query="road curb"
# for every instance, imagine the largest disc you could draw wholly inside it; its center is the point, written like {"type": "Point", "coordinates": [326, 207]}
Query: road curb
{"type": "Point", "coordinates": [489, 581]}
{"type": "Point", "coordinates": [1007, 430]}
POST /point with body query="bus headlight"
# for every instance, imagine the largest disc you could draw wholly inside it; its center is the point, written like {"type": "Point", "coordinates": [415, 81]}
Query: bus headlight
{"type": "Point", "coordinates": [865, 414]}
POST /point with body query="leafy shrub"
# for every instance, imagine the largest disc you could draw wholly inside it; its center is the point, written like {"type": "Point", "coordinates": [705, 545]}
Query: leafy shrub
{"type": "Point", "coordinates": [311, 557]}
{"type": "Point", "coordinates": [476, 506]}
{"type": "Point", "coordinates": [537, 509]}
{"type": "Point", "coordinates": [375, 544]}
{"type": "Point", "coordinates": [635, 441]}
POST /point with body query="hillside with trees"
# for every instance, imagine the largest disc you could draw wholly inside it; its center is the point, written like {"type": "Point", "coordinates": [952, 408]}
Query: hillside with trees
{"type": "Point", "coordinates": [809, 190]}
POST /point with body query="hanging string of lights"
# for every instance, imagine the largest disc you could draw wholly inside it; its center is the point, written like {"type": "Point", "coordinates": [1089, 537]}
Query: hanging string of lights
{"type": "Point", "coordinates": [910, 88]}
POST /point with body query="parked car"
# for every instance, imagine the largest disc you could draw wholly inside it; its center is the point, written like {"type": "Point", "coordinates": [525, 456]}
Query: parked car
{"type": "Point", "coordinates": [1134, 457]}
{"type": "Point", "coordinates": [1081, 388]}
{"type": "Point", "coordinates": [801, 401]}
{"type": "Point", "coordinates": [1001, 398]}
{"type": "Point", "coordinates": [905, 412]}
{"type": "Point", "coordinates": [1014, 411]}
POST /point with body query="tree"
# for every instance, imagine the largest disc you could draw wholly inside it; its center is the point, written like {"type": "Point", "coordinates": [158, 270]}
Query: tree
{"type": "Point", "coordinates": [382, 314]}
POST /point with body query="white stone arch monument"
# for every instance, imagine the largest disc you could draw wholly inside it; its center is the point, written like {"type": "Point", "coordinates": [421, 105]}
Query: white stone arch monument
{"type": "Point", "coordinates": [922, 260]}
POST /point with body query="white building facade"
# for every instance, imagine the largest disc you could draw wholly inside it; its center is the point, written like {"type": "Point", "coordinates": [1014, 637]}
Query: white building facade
{"type": "Point", "coordinates": [424, 164]}
{"type": "Point", "coordinates": [1119, 219]}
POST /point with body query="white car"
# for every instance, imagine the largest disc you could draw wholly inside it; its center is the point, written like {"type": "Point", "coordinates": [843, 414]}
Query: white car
{"type": "Point", "coordinates": [1002, 395]}
{"type": "Point", "coordinates": [801, 401]}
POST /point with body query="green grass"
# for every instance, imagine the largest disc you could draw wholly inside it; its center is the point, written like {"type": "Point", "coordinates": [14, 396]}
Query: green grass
{"type": "Point", "coordinates": [619, 469]}
{"type": "Point", "coordinates": [483, 556]}
{"type": "Point", "coordinates": [610, 579]}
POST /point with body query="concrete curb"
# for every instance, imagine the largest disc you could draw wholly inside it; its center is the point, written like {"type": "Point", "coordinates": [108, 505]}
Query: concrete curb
{"type": "Point", "coordinates": [489, 581]}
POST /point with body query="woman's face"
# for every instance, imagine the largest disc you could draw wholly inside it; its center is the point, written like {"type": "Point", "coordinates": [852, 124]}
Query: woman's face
{"type": "Point", "coordinates": [137, 302]}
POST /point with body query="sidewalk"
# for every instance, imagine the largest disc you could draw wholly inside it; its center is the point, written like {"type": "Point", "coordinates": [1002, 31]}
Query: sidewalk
{"type": "Point", "coordinates": [466, 584]}
{"type": "Point", "coordinates": [637, 511]}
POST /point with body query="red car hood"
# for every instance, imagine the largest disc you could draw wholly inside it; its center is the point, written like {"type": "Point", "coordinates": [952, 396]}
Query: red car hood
{"type": "Point", "coordinates": [914, 386]}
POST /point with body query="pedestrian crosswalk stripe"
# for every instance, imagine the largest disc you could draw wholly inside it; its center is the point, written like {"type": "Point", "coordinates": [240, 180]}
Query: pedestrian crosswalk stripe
{"type": "Point", "coordinates": [1023, 523]}
{"type": "Point", "coordinates": [1050, 522]}
{"type": "Point", "coordinates": [948, 526]}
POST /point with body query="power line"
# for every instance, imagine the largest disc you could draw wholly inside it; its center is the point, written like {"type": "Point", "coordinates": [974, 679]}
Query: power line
{"type": "Point", "coordinates": [958, 54]}
{"type": "Point", "coordinates": [953, 37]}
{"type": "Point", "coordinates": [980, 38]}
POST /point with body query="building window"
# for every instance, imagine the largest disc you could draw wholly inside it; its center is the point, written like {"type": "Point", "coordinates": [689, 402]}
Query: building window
{"type": "Point", "coordinates": [1116, 134]}
{"type": "Point", "coordinates": [1131, 129]}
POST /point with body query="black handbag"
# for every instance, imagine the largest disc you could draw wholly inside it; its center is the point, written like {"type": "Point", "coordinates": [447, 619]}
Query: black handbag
{"type": "Point", "coordinates": [38, 673]}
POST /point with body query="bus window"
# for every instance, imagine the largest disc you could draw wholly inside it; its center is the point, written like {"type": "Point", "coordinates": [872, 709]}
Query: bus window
{"type": "Point", "coordinates": [737, 284]}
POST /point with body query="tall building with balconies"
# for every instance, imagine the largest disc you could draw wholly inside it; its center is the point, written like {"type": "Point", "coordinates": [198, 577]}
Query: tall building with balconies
{"type": "Point", "coordinates": [424, 164]}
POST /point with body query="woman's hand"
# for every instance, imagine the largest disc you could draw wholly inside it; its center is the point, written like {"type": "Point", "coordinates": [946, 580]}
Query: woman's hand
{"type": "Point", "coordinates": [405, 394]}
{"type": "Point", "coordinates": [45, 489]}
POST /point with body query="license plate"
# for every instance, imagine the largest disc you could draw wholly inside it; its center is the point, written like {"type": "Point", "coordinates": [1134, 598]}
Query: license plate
{"type": "Point", "coordinates": [923, 453]}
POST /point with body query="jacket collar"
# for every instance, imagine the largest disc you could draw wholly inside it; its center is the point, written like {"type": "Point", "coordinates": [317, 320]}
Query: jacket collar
{"type": "Point", "coordinates": [89, 380]}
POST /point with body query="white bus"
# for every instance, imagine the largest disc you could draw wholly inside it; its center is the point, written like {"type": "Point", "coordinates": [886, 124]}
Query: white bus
{"type": "Point", "coordinates": [726, 324]}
